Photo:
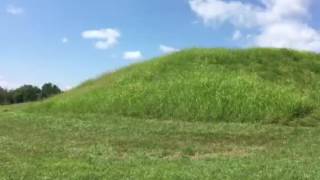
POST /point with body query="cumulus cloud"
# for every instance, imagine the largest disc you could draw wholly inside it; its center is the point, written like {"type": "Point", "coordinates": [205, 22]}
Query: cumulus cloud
{"type": "Point", "coordinates": [14, 10]}
{"type": "Point", "coordinates": [167, 49]}
{"type": "Point", "coordinates": [106, 38]}
{"type": "Point", "coordinates": [218, 11]}
{"type": "Point", "coordinates": [132, 55]}
{"type": "Point", "coordinates": [279, 23]}
{"type": "Point", "coordinates": [291, 35]}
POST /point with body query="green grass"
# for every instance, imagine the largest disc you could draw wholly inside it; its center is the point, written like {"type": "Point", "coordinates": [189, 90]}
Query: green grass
{"type": "Point", "coordinates": [213, 85]}
{"type": "Point", "coordinates": [92, 146]}
{"type": "Point", "coordinates": [196, 114]}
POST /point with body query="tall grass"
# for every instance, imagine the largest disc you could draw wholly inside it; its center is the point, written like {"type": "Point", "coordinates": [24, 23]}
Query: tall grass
{"type": "Point", "coordinates": [253, 85]}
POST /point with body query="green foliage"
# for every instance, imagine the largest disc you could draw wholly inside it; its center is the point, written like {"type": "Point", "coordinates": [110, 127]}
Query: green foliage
{"type": "Point", "coordinates": [251, 85]}
{"type": "Point", "coordinates": [49, 90]}
{"type": "Point", "coordinates": [27, 93]}
{"type": "Point", "coordinates": [3, 96]}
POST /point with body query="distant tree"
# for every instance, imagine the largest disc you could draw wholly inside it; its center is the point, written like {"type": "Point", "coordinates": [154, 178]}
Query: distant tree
{"type": "Point", "coordinates": [3, 96]}
{"type": "Point", "coordinates": [10, 99]}
{"type": "Point", "coordinates": [49, 90]}
{"type": "Point", "coordinates": [26, 93]}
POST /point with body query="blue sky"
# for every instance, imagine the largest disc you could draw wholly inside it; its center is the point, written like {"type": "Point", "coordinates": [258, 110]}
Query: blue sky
{"type": "Point", "coordinates": [67, 42]}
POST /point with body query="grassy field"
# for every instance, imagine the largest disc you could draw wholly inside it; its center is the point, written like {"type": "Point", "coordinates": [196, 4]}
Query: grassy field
{"type": "Point", "coordinates": [43, 146]}
{"type": "Point", "coordinates": [196, 114]}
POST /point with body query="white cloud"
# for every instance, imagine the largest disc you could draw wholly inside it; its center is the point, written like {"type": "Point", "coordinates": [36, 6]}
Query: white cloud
{"type": "Point", "coordinates": [167, 49]}
{"type": "Point", "coordinates": [237, 35]}
{"type": "Point", "coordinates": [132, 55]}
{"type": "Point", "coordinates": [107, 38]}
{"type": "Point", "coordinates": [218, 11]}
{"type": "Point", "coordinates": [280, 23]}
{"type": "Point", "coordinates": [14, 10]}
{"type": "Point", "coordinates": [64, 40]}
{"type": "Point", "coordinates": [291, 35]}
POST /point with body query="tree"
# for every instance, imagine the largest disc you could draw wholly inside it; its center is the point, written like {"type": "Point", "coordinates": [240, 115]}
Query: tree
{"type": "Point", "coordinates": [26, 93]}
{"type": "Point", "coordinates": [49, 90]}
{"type": "Point", "coordinates": [3, 96]}
{"type": "Point", "coordinates": [10, 99]}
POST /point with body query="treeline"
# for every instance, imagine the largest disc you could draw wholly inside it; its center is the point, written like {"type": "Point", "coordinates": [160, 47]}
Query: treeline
{"type": "Point", "coordinates": [28, 93]}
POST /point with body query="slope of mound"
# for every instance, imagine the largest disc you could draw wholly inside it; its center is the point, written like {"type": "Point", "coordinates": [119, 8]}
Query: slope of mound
{"type": "Point", "coordinates": [252, 85]}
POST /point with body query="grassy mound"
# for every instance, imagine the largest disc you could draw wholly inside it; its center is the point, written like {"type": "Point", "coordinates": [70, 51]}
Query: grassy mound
{"type": "Point", "coordinates": [252, 85]}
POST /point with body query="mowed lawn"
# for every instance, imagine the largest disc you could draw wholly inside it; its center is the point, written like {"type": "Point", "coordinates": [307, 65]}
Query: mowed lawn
{"type": "Point", "coordinates": [95, 146]}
